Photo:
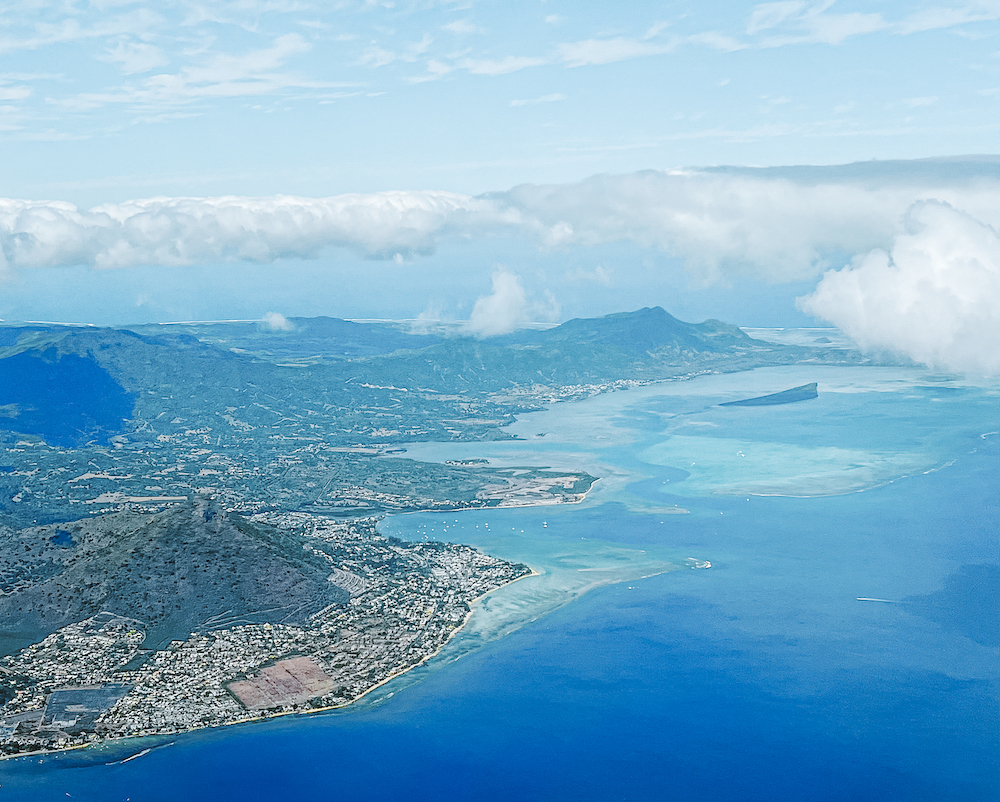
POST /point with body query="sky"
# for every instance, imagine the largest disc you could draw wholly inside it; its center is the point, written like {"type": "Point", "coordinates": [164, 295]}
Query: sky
{"type": "Point", "coordinates": [776, 164]}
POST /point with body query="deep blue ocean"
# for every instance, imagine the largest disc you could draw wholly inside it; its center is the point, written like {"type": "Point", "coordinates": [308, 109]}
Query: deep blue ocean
{"type": "Point", "coordinates": [761, 678]}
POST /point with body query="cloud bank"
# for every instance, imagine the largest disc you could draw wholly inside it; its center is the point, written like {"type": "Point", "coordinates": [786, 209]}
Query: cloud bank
{"type": "Point", "coordinates": [923, 280]}
{"type": "Point", "coordinates": [935, 296]}
{"type": "Point", "coordinates": [722, 224]}
{"type": "Point", "coordinates": [185, 231]}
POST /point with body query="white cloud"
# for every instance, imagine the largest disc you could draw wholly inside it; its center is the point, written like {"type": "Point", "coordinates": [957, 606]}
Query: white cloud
{"type": "Point", "coordinates": [536, 100]}
{"type": "Point", "coordinates": [934, 297]}
{"type": "Point", "coordinates": [599, 275]}
{"type": "Point", "coordinates": [725, 225]}
{"type": "Point", "coordinates": [462, 27]}
{"type": "Point", "coordinates": [508, 308]}
{"type": "Point", "coordinates": [502, 311]}
{"type": "Point", "coordinates": [217, 75]}
{"type": "Point", "coordinates": [607, 51]}
{"type": "Point", "coordinates": [183, 231]}
{"type": "Point", "coordinates": [277, 322]}
{"type": "Point", "coordinates": [718, 41]}
{"type": "Point", "coordinates": [435, 70]}
{"type": "Point", "coordinates": [916, 102]}
{"type": "Point", "coordinates": [833, 29]}
{"type": "Point", "coordinates": [501, 66]}
{"type": "Point", "coordinates": [136, 57]}
{"type": "Point", "coordinates": [789, 23]}
{"type": "Point", "coordinates": [376, 56]}
{"type": "Point", "coordinates": [797, 22]}
{"type": "Point", "coordinates": [929, 19]}
{"type": "Point", "coordinates": [770, 15]}
{"type": "Point", "coordinates": [69, 29]}
{"type": "Point", "coordinates": [14, 92]}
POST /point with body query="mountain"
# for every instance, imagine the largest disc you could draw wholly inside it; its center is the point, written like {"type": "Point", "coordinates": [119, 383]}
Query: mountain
{"type": "Point", "coordinates": [173, 570]}
{"type": "Point", "coordinates": [74, 386]}
{"type": "Point", "coordinates": [299, 338]}
{"type": "Point", "coordinates": [647, 344]}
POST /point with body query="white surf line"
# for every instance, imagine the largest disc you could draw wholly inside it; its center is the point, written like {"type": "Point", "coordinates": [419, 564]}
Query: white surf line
{"type": "Point", "coordinates": [143, 753]}
{"type": "Point", "coordinates": [887, 601]}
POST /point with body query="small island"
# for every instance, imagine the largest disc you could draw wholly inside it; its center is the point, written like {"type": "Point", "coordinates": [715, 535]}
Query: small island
{"type": "Point", "coordinates": [804, 392]}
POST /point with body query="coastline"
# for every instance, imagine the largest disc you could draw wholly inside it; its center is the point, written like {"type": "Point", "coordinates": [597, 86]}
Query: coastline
{"type": "Point", "coordinates": [421, 662]}
{"type": "Point", "coordinates": [105, 742]}
{"type": "Point", "coordinates": [507, 503]}
{"type": "Point", "coordinates": [555, 503]}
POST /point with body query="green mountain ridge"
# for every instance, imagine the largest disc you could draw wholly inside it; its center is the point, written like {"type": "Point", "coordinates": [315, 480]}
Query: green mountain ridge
{"type": "Point", "coordinates": [94, 383]}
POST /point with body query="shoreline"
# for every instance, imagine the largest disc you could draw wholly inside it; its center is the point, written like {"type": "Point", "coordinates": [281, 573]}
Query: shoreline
{"type": "Point", "coordinates": [283, 713]}
{"type": "Point", "coordinates": [556, 501]}
{"type": "Point", "coordinates": [583, 497]}
{"type": "Point", "coordinates": [420, 662]}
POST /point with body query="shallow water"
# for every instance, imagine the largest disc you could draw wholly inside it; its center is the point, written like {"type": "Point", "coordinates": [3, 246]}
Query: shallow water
{"type": "Point", "coordinates": [621, 673]}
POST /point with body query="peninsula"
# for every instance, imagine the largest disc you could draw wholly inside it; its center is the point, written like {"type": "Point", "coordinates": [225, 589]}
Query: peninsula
{"type": "Point", "coordinates": [207, 618]}
{"type": "Point", "coordinates": [188, 511]}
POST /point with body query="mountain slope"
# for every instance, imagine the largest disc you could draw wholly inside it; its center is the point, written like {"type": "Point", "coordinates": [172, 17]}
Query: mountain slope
{"type": "Point", "coordinates": [647, 344]}
{"type": "Point", "coordinates": [174, 570]}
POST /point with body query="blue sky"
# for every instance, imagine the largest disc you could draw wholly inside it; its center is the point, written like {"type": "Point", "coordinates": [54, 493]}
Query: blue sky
{"type": "Point", "coordinates": [431, 113]}
{"type": "Point", "coordinates": [115, 100]}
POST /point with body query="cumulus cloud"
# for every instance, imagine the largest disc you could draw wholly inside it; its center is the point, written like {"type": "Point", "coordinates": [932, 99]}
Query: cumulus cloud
{"type": "Point", "coordinates": [508, 307]}
{"type": "Point", "coordinates": [276, 321]}
{"type": "Point", "coordinates": [184, 231]}
{"type": "Point", "coordinates": [935, 296]}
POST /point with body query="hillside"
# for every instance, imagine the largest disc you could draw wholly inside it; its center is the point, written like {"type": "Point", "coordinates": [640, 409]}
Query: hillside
{"type": "Point", "coordinates": [644, 345]}
{"type": "Point", "coordinates": [173, 570]}
{"type": "Point", "coordinates": [78, 385]}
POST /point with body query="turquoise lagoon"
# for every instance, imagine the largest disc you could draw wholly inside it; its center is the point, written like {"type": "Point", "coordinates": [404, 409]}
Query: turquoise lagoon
{"type": "Point", "coordinates": [622, 672]}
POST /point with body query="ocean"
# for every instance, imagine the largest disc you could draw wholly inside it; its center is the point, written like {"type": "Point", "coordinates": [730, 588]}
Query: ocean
{"type": "Point", "coordinates": [623, 672]}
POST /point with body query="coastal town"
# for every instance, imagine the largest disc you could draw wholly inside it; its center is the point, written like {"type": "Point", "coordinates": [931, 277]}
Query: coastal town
{"type": "Point", "coordinates": [96, 679]}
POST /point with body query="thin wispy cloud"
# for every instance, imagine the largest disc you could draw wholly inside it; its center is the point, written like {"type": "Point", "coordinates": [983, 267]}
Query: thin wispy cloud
{"type": "Point", "coordinates": [135, 57]}
{"type": "Point", "coordinates": [502, 66]}
{"type": "Point", "coordinates": [70, 29]}
{"type": "Point", "coordinates": [794, 22]}
{"type": "Point", "coordinates": [553, 98]}
{"type": "Point", "coordinates": [608, 51]}
{"type": "Point", "coordinates": [169, 54]}
{"type": "Point", "coordinates": [252, 74]}
{"type": "Point", "coordinates": [462, 28]}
